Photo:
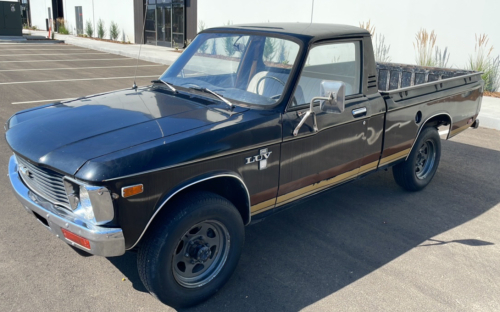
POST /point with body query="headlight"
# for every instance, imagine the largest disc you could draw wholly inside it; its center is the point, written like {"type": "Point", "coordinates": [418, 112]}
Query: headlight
{"type": "Point", "coordinates": [92, 203]}
{"type": "Point", "coordinates": [85, 209]}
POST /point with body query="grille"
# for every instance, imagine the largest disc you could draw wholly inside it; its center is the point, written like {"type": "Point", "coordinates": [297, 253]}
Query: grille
{"type": "Point", "coordinates": [46, 183]}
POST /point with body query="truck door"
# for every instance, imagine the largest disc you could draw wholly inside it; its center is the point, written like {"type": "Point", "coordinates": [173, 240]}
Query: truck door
{"type": "Point", "coordinates": [313, 161]}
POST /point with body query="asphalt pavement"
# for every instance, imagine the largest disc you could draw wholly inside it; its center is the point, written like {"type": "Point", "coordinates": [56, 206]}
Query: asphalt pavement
{"type": "Point", "coordinates": [366, 246]}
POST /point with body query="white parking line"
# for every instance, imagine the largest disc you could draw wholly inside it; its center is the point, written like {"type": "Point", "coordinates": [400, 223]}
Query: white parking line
{"type": "Point", "coordinates": [70, 49]}
{"type": "Point", "coordinates": [14, 70]}
{"type": "Point", "coordinates": [51, 54]}
{"type": "Point", "coordinates": [53, 100]}
{"type": "Point", "coordinates": [75, 60]}
{"type": "Point", "coordinates": [81, 79]}
{"type": "Point", "coordinates": [33, 44]}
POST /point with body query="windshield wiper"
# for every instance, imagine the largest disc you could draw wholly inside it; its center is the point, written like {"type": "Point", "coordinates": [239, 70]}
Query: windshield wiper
{"type": "Point", "coordinates": [220, 97]}
{"type": "Point", "coordinates": [165, 83]}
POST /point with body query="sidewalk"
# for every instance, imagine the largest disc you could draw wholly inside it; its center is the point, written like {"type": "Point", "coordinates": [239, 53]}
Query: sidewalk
{"type": "Point", "coordinates": [157, 54]}
{"type": "Point", "coordinates": [489, 116]}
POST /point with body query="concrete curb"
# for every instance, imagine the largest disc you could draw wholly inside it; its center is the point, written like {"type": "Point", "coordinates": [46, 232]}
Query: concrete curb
{"type": "Point", "coordinates": [489, 116]}
{"type": "Point", "coordinates": [12, 39]}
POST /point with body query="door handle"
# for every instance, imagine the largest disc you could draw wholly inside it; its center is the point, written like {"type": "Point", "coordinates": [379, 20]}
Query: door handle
{"type": "Point", "coordinates": [359, 112]}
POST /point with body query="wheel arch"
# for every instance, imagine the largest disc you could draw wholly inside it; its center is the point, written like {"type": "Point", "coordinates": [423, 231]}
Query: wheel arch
{"type": "Point", "coordinates": [230, 186]}
{"type": "Point", "coordinates": [438, 119]}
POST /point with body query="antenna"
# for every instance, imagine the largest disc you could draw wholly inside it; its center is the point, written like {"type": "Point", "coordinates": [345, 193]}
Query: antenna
{"type": "Point", "coordinates": [312, 10]}
{"type": "Point", "coordinates": [134, 86]}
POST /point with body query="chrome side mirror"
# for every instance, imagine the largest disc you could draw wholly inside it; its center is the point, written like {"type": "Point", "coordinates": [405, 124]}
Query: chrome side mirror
{"type": "Point", "coordinates": [332, 97]}
{"type": "Point", "coordinates": [333, 93]}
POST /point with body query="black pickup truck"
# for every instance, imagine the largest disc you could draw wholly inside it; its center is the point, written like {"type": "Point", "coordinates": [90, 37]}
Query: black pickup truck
{"type": "Point", "coordinates": [247, 121]}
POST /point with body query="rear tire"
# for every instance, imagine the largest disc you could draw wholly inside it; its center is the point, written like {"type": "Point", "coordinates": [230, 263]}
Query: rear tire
{"type": "Point", "coordinates": [418, 170]}
{"type": "Point", "coordinates": [190, 252]}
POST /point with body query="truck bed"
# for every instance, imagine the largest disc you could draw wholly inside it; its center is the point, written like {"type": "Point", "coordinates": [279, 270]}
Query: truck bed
{"type": "Point", "coordinates": [451, 97]}
{"type": "Point", "coordinates": [403, 83]}
{"type": "Point", "coordinates": [393, 76]}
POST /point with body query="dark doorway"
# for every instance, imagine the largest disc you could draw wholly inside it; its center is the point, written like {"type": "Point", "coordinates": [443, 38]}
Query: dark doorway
{"type": "Point", "coordinates": [57, 12]}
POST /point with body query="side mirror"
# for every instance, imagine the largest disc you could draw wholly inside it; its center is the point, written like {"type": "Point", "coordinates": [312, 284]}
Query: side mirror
{"type": "Point", "coordinates": [333, 94]}
{"type": "Point", "coordinates": [331, 100]}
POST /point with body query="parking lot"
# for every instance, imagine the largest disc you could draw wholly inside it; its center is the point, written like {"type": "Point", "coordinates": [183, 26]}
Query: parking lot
{"type": "Point", "coordinates": [366, 246]}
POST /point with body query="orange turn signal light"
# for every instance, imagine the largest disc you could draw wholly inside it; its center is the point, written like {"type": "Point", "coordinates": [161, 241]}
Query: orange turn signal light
{"type": "Point", "coordinates": [77, 239]}
{"type": "Point", "coordinates": [132, 190]}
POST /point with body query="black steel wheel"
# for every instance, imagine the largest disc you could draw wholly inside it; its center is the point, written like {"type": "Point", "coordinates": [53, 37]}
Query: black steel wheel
{"type": "Point", "coordinates": [421, 165]}
{"type": "Point", "coordinates": [426, 157]}
{"type": "Point", "coordinates": [201, 253]}
{"type": "Point", "coordinates": [191, 250]}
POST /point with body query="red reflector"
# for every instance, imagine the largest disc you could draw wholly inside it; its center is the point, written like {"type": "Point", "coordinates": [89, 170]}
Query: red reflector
{"type": "Point", "coordinates": [76, 238]}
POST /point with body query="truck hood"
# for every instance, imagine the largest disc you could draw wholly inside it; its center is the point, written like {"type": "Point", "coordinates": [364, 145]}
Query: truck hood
{"type": "Point", "coordinates": [65, 135]}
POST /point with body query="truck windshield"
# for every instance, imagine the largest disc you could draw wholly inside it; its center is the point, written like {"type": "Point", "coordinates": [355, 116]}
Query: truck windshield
{"type": "Point", "coordinates": [240, 67]}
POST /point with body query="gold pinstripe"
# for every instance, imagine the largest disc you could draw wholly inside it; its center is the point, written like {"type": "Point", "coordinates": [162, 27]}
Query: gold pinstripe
{"type": "Point", "coordinates": [458, 130]}
{"type": "Point", "coordinates": [283, 199]}
{"type": "Point", "coordinates": [394, 157]}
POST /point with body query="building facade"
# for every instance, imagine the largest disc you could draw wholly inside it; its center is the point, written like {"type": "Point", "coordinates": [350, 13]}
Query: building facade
{"type": "Point", "coordinates": [165, 22]}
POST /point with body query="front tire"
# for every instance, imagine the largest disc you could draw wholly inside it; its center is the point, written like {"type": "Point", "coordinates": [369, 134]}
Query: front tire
{"type": "Point", "coordinates": [190, 252]}
{"type": "Point", "coordinates": [418, 170]}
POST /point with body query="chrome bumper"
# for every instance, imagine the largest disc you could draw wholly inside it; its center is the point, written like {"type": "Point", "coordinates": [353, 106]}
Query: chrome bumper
{"type": "Point", "coordinates": [107, 242]}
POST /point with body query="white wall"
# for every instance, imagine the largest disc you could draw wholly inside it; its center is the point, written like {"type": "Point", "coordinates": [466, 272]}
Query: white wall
{"type": "Point", "coordinates": [118, 11]}
{"type": "Point", "coordinates": [454, 21]}
{"type": "Point", "coordinates": [39, 12]}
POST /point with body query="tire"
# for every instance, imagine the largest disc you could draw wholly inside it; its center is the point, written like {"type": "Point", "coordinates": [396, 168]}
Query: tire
{"type": "Point", "coordinates": [203, 228]}
{"type": "Point", "coordinates": [417, 171]}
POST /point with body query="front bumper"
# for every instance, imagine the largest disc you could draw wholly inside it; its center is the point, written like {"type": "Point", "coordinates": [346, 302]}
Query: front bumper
{"type": "Point", "coordinates": [107, 242]}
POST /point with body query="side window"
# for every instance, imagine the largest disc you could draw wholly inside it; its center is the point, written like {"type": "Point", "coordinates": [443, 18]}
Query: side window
{"type": "Point", "coordinates": [336, 61]}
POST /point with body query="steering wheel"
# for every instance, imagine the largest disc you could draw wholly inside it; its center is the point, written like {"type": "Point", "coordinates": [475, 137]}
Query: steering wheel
{"type": "Point", "coordinates": [267, 77]}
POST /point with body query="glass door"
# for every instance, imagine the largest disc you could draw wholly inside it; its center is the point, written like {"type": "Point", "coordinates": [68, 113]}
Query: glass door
{"type": "Point", "coordinates": [150, 25]}
{"type": "Point", "coordinates": [163, 24]}
{"type": "Point", "coordinates": [178, 22]}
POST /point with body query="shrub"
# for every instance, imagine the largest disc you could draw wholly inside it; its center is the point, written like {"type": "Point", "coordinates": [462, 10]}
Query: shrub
{"type": "Point", "coordinates": [283, 53]}
{"type": "Point", "coordinates": [62, 26]}
{"type": "Point", "coordinates": [89, 29]}
{"type": "Point", "coordinates": [381, 50]}
{"type": "Point", "coordinates": [229, 43]}
{"type": "Point", "coordinates": [424, 47]}
{"type": "Point", "coordinates": [368, 26]}
{"type": "Point", "coordinates": [63, 30]}
{"type": "Point", "coordinates": [114, 32]}
{"type": "Point", "coordinates": [201, 26]}
{"type": "Point", "coordinates": [482, 61]}
{"type": "Point", "coordinates": [441, 57]}
{"type": "Point", "coordinates": [214, 47]}
{"type": "Point", "coordinates": [101, 31]}
{"type": "Point", "coordinates": [269, 49]}
{"type": "Point", "coordinates": [204, 46]}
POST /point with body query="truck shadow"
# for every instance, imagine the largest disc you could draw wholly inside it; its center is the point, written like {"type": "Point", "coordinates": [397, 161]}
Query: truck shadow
{"type": "Point", "coordinates": [299, 256]}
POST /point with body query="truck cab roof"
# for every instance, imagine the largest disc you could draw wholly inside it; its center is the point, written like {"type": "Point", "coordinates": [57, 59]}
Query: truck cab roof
{"type": "Point", "coordinates": [310, 32]}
